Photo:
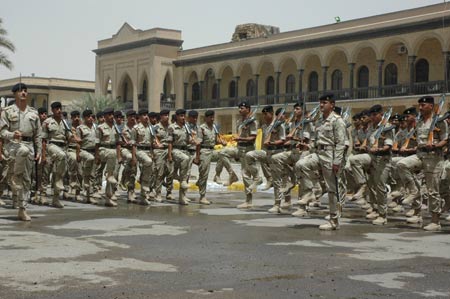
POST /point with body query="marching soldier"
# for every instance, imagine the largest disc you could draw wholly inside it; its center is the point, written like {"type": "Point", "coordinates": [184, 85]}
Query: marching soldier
{"type": "Point", "coordinates": [73, 167]}
{"type": "Point", "coordinates": [330, 135]}
{"type": "Point", "coordinates": [128, 179]}
{"type": "Point", "coordinates": [430, 144]}
{"type": "Point", "coordinates": [21, 131]}
{"type": "Point", "coordinates": [178, 153]}
{"type": "Point", "coordinates": [142, 152]}
{"type": "Point", "coordinates": [88, 136]}
{"type": "Point", "coordinates": [43, 169]}
{"type": "Point", "coordinates": [208, 137]}
{"type": "Point", "coordinates": [99, 168]}
{"type": "Point", "coordinates": [164, 170]}
{"type": "Point", "coordinates": [55, 135]}
{"type": "Point", "coordinates": [107, 150]}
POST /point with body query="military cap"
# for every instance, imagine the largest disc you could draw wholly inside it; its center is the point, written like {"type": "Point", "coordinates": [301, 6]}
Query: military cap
{"type": "Point", "coordinates": [64, 114]}
{"type": "Point", "coordinates": [87, 112]}
{"type": "Point", "coordinates": [131, 113]}
{"type": "Point", "coordinates": [267, 108]}
{"type": "Point", "coordinates": [42, 110]}
{"type": "Point", "coordinates": [396, 116]}
{"type": "Point", "coordinates": [327, 97]}
{"type": "Point", "coordinates": [142, 111]}
{"type": "Point", "coordinates": [338, 110]}
{"type": "Point", "coordinates": [298, 104]}
{"type": "Point", "coordinates": [19, 87]}
{"type": "Point", "coordinates": [279, 110]}
{"type": "Point", "coordinates": [244, 104]}
{"type": "Point", "coordinates": [118, 113]}
{"type": "Point", "coordinates": [152, 114]}
{"type": "Point", "coordinates": [55, 105]}
{"type": "Point", "coordinates": [164, 112]}
{"type": "Point", "coordinates": [75, 113]}
{"type": "Point", "coordinates": [193, 113]}
{"type": "Point", "coordinates": [410, 110]}
{"type": "Point", "coordinates": [426, 99]}
{"type": "Point", "coordinates": [402, 117]}
{"type": "Point", "coordinates": [180, 111]}
{"type": "Point", "coordinates": [365, 112]}
{"type": "Point", "coordinates": [375, 109]}
{"type": "Point", "coordinates": [99, 114]}
{"type": "Point", "coordinates": [108, 111]}
{"type": "Point", "coordinates": [209, 113]}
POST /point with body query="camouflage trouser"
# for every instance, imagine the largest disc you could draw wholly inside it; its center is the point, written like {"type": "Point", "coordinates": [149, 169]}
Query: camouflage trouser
{"type": "Point", "coordinates": [87, 170]}
{"type": "Point", "coordinates": [74, 169]}
{"type": "Point", "coordinates": [128, 178]}
{"type": "Point", "coordinates": [203, 170]}
{"type": "Point", "coordinates": [146, 165]}
{"type": "Point", "coordinates": [109, 157]}
{"type": "Point", "coordinates": [58, 155]}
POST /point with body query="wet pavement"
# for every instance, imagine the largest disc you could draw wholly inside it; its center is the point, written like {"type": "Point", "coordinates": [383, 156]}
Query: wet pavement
{"type": "Point", "coordinates": [216, 251]}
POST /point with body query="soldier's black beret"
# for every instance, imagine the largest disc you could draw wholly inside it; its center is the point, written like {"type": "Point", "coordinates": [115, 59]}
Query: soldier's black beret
{"type": "Point", "coordinates": [42, 110]}
{"type": "Point", "coordinates": [131, 113]}
{"type": "Point", "coordinates": [180, 111]}
{"type": "Point", "coordinates": [426, 99]}
{"type": "Point", "coordinates": [75, 113]}
{"type": "Point", "coordinates": [55, 105]}
{"type": "Point", "coordinates": [279, 110]}
{"type": "Point", "coordinates": [327, 97]}
{"type": "Point", "coordinates": [152, 114]}
{"type": "Point", "coordinates": [192, 113]}
{"type": "Point", "coordinates": [375, 109]}
{"type": "Point", "coordinates": [19, 87]}
{"type": "Point", "coordinates": [209, 113]}
{"type": "Point", "coordinates": [298, 104]}
{"type": "Point", "coordinates": [118, 113]}
{"type": "Point", "coordinates": [99, 114]}
{"type": "Point", "coordinates": [87, 112]}
{"type": "Point", "coordinates": [142, 111]}
{"type": "Point", "coordinates": [402, 117]}
{"type": "Point", "coordinates": [410, 110]}
{"type": "Point", "coordinates": [356, 116]}
{"type": "Point", "coordinates": [164, 112]}
{"type": "Point", "coordinates": [244, 104]}
{"type": "Point", "coordinates": [108, 111]}
{"type": "Point", "coordinates": [396, 116]}
{"type": "Point", "coordinates": [365, 112]}
{"type": "Point", "coordinates": [338, 110]}
{"type": "Point", "coordinates": [268, 108]}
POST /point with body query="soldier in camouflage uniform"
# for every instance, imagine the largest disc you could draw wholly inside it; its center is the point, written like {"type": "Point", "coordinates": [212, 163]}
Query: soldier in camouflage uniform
{"type": "Point", "coordinates": [20, 130]}
{"type": "Point", "coordinates": [329, 144]}
{"type": "Point", "coordinates": [107, 151]}
{"type": "Point", "coordinates": [88, 136]}
{"type": "Point", "coordinates": [208, 138]}
{"type": "Point", "coordinates": [73, 165]}
{"type": "Point", "coordinates": [164, 170]}
{"type": "Point", "coordinates": [429, 157]}
{"type": "Point", "coordinates": [142, 141]}
{"type": "Point", "coordinates": [178, 153]}
{"type": "Point", "coordinates": [128, 179]}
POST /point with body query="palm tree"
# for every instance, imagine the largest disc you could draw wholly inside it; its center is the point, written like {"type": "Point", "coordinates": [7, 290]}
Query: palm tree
{"type": "Point", "coordinates": [5, 43]}
{"type": "Point", "coordinates": [96, 103]}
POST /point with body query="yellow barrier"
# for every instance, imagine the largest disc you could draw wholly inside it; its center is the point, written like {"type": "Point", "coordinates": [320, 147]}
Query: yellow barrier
{"type": "Point", "coordinates": [229, 139]}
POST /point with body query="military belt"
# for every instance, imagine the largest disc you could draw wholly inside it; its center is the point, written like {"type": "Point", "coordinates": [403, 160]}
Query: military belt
{"type": "Point", "coordinates": [58, 143]}
{"type": "Point", "coordinates": [274, 147]}
{"type": "Point", "coordinates": [246, 144]}
{"type": "Point", "coordinates": [323, 147]}
{"type": "Point", "coordinates": [27, 139]}
{"type": "Point", "coordinates": [144, 147]}
{"type": "Point", "coordinates": [431, 150]}
{"type": "Point", "coordinates": [382, 153]}
{"type": "Point", "coordinates": [108, 146]}
{"type": "Point", "coordinates": [180, 147]}
{"type": "Point", "coordinates": [207, 146]}
{"type": "Point", "coordinates": [89, 150]}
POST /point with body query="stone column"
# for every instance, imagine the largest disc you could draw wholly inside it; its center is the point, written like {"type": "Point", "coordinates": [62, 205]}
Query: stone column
{"type": "Point", "coordinates": [446, 70]}
{"type": "Point", "coordinates": [412, 72]}
{"type": "Point", "coordinates": [351, 79]}
{"type": "Point", "coordinates": [218, 90]}
{"type": "Point", "coordinates": [200, 94]}
{"type": "Point", "coordinates": [325, 75]}
{"type": "Point", "coordinates": [256, 89]}
{"type": "Point", "coordinates": [380, 77]}
{"type": "Point", "coordinates": [236, 86]}
{"type": "Point", "coordinates": [300, 82]}
{"type": "Point", "coordinates": [277, 87]}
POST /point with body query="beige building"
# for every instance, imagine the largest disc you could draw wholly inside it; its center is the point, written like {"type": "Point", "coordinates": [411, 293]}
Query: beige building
{"type": "Point", "coordinates": [43, 91]}
{"type": "Point", "coordinates": [389, 59]}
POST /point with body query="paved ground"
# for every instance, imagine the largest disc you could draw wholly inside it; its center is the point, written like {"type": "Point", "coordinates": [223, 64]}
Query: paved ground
{"type": "Point", "coordinates": [217, 251]}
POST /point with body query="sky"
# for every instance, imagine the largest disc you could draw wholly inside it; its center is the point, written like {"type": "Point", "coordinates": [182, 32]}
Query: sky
{"type": "Point", "coordinates": [55, 38]}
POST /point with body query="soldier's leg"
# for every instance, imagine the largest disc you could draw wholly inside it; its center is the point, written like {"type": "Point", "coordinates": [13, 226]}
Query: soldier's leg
{"type": "Point", "coordinates": [378, 178]}
{"type": "Point", "coordinates": [406, 168]}
{"type": "Point", "coordinates": [252, 157]}
{"type": "Point", "coordinates": [146, 164]}
{"type": "Point", "coordinates": [226, 154]}
{"type": "Point", "coordinates": [21, 181]}
{"type": "Point", "coordinates": [359, 165]}
{"type": "Point", "coordinates": [88, 162]}
{"type": "Point", "coordinates": [305, 169]}
{"type": "Point", "coordinates": [444, 187]}
{"type": "Point", "coordinates": [109, 157]}
{"type": "Point", "coordinates": [246, 178]}
{"type": "Point", "coordinates": [277, 180]}
{"type": "Point", "coordinates": [74, 176]}
{"type": "Point", "coordinates": [181, 161]}
{"type": "Point", "coordinates": [433, 165]}
{"type": "Point", "coordinates": [58, 157]}
{"type": "Point", "coordinates": [203, 172]}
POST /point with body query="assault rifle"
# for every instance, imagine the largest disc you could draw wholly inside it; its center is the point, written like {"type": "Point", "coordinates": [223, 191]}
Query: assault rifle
{"type": "Point", "coordinates": [437, 111]}
{"type": "Point", "coordinates": [381, 126]}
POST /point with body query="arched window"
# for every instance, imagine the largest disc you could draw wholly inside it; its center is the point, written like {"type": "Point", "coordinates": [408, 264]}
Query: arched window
{"type": "Point", "coordinates": [336, 80]}
{"type": "Point", "coordinates": [144, 90]}
{"type": "Point", "coordinates": [250, 88]}
{"type": "Point", "coordinates": [214, 94]}
{"type": "Point", "coordinates": [270, 86]}
{"type": "Point", "coordinates": [290, 84]}
{"type": "Point", "coordinates": [313, 82]}
{"type": "Point", "coordinates": [363, 76]}
{"type": "Point", "coordinates": [195, 91]}
{"type": "Point", "coordinates": [125, 92]}
{"type": "Point", "coordinates": [422, 70]}
{"type": "Point", "coordinates": [232, 89]}
{"type": "Point", "coordinates": [391, 74]}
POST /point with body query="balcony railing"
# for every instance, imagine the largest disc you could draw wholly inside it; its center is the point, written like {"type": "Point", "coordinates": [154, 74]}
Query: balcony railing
{"type": "Point", "coordinates": [432, 87]}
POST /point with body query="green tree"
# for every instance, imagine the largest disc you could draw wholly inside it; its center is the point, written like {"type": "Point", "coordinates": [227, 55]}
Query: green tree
{"type": "Point", "coordinates": [5, 43]}
{"type": "Point", "coordinates": [96, 103]}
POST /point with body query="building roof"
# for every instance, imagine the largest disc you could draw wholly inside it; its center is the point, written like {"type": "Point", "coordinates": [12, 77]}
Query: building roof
{"type": "Point", "coordinates": [48, 83]}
